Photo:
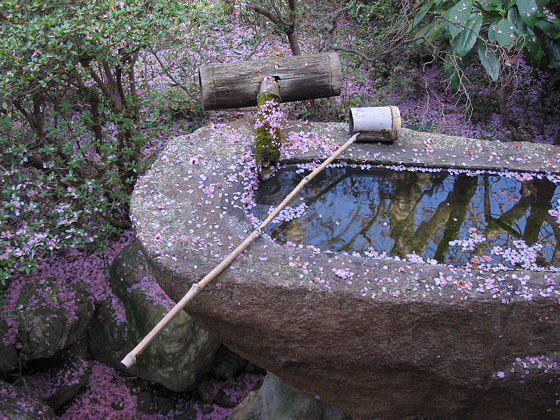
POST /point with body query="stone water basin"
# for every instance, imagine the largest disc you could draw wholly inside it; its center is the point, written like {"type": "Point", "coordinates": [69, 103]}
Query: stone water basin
{"type": "Point", "coordinates": [376, 336]}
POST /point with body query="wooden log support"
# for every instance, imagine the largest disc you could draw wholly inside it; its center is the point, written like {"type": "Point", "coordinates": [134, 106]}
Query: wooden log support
{"type": "Point", "coordinates": [236, 85]}
{"type": "Point", "coordinates": [378, 123]}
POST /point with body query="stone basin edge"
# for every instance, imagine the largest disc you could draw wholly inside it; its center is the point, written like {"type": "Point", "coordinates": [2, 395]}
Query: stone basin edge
{"type": "Point", "coordinates": [188, 216]}
{"type": "Point", "coordinates": [447, 152]}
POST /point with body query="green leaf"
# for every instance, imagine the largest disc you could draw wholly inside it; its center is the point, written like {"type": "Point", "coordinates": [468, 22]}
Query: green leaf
{"type": "Point", "coordinates": [514, 17]}
{"type": "Point", "coordinates": [552, 30]}
{"type": "Point", "coordinates": [553, 50]}
{"type": "Point", "coordinates": [505, 33]}
{"type": "Point", "coordinates": [467, 38]}
{"type": "Point", "coordinates": [452, 75]}
{"type": "Point", "coordinates": [533, 45]}
{"type": "Point", "coordinates": [528, 11]}
{"type": "Point", "coordinates": [422, 13]}
{"type": "Point", "coordinates": [489, 61]}
{"type": "Point", "coordinates": [492, 31]}
{"type": "Point", "coordinates": [459, 15]}
{"type": "Point", "coordinates": [435, 33]}
{"type": "Point", "coordinates": [494, 6]}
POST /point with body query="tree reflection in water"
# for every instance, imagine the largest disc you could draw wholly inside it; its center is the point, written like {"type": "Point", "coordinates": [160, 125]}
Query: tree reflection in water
{"type": "Point", "coordinates": [452, 217]}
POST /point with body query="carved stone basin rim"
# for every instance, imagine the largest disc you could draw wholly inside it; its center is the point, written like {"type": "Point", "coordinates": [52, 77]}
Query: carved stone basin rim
{"type": "Point", "coordinates": [363, 334]}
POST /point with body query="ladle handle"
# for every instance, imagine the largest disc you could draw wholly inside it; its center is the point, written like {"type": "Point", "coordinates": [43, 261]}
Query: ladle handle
{"type": "Point", "coordinates": [130, 358]}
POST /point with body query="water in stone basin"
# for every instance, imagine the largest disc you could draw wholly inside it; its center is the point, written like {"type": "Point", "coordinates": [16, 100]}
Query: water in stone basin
{"type": "Point", "coordinates": [454, 217]}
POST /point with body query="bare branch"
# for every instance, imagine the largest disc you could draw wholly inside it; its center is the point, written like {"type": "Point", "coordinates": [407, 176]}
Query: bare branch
{"type": "Point", "coordinates": [257, 45]}
{"type": "Point", "coordinates": [261, 10]}
{"type": "Point", "coordinates": [168, 74]}
{"type": "Point", "coordinates": [117, 104]}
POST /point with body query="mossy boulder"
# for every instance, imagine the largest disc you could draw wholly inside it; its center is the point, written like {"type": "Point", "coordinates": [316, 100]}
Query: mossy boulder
{"type": "Point", "coordinates": [53, 316]}
{"type": "Point", "coordinates": [276, 400]}
{"type": "Point", "coordinates": [176, 357]}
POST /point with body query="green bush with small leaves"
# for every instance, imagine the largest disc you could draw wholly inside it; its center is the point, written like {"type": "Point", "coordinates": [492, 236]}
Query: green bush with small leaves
{"type": "Point", "coordinates": [70, 120]}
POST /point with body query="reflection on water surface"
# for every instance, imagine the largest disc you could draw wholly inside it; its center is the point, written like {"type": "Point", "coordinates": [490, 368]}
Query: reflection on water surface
{"type": "Point", "coordinates": [452, 217]}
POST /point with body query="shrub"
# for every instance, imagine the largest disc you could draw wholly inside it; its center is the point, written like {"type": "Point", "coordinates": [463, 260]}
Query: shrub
{"type": "Point", "coordinates": [492, 31]}
{"type": "Point", "coordinates": [70, 120]}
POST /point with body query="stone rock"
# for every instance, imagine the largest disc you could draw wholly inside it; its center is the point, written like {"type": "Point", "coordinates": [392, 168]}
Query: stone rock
{"type": "Point", "coordinates": [54, 317]}
{"type": "Point", "coordinates": [187, 414]}
{"type": "Point", "coordinates": [66, 382]}
{"type": "Point", "coordinates": [177, 357]}
{"type": "Point", "coordinates": [58, 379]}
{"type": "Point", "coordinates": [16, 405]}
{"type": "Point", "coordinates": [276, 400]}
{"type": "Point", "coordinates": [249, 409]}
{"type": "Point", "coordinates": [206, 391]}
{"type": "Point", "coordinates": [228, 394]}
{"type": "Point", "coordinates": [227, 365]}
{"type": "Point", "coordinates": [9, 355]}
{"type": "Point", "coordinates": [374, 337]}
{"type": "Point", "coordinates": [164, 405]}
{"type": "Point", "coordinates": [145, 402]}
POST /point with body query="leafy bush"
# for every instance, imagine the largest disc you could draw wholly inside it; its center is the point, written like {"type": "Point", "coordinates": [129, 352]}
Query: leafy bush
{"type": "Point", "coordinates": [70, 120]}
{"type": "Point", "coordinates": [494, 31]}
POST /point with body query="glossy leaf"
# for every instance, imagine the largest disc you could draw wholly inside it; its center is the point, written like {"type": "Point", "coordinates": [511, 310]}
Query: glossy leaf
{"type": "Point", "coordinates": [533, 45]}
{"type": "Point", "coordinates": [552, 30]}
{"type": "Point", "coordinates": [514, 17]}
{"type": "Point", "coordinates": [528, 11]}
{"type": "Point", "coordinates": [505, 32]}
{"type": "Point", "coordinates": [422, 13]}
{"type": "Point", "coordinates": [489, 61]}
{"type": "Point", "coordinates": [458, 16]}
{"type": "Point", "coordinates": [467, 38]}
{"type": "Point", "coordinates": [436, 32]}
{"type": "Point", "coordinates": [492, 31]}
{"type": "Point", "coordinates": [553, 49]}
{"type": "Point", "coordinates": [452, 75]}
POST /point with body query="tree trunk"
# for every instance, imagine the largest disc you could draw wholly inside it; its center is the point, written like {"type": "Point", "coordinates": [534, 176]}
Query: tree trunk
{"type": "Point", "coordinates": [505, 117]}
{"type": "Point", "coordinates": [293, 40]}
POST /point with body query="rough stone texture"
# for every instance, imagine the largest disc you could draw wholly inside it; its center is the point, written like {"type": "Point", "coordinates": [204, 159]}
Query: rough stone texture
{"type": "Point", "coordinates": [47, 326]}
{"type": "Point", "coordinates": [175, 358]}
{"type": "Point", "coordinates": [276, 400]}
{"type": "Point", "coordinates": [67, 381]}
{"type": "Point", "coordinates": [419, 347]}
{"type": "Point", "coordinates": [14, 405]}
{"type": "Point", "coordinates": [8, 353]}
{"type": "Point", "coordinates": [249, 408]}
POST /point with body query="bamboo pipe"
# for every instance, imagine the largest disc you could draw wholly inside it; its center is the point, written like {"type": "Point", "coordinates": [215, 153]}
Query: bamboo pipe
{"type": "Point", "coordinates": [130, 358]}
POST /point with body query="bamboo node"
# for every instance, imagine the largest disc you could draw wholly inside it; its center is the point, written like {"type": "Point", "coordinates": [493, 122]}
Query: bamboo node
{"type": "Point", "coordinates": [129, 360]}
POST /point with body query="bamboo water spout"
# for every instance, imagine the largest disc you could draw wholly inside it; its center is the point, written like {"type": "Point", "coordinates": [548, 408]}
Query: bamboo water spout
{"type": "Point", "coordinates": [196, 288]}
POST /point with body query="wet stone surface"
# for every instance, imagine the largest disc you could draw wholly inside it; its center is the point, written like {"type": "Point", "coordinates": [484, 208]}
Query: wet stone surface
{"type": "Point", "coordinates": [374, 336]}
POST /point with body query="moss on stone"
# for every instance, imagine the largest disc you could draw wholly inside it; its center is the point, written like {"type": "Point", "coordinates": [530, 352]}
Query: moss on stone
{"type": "Point", "coordinates": [267, 139]}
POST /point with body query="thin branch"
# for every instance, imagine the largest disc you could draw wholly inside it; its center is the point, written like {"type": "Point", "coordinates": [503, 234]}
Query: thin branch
{"type": "Point", "coordinates": [168, 74]}
{"type": "Point", "coordinates": [257, 45]}
{"type": "Point", "coordinates": [117, 104]}
{"type": "Point", "coordinates": [261, 10]}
